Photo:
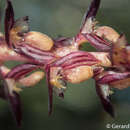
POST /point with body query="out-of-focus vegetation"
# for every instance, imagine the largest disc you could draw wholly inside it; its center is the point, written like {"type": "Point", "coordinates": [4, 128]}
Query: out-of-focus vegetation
{"type": "Point", "coordinates": [81, 108]}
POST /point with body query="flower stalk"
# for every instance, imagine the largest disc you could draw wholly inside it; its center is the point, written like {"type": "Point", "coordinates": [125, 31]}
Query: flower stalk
{"type": "Point", "coordinates": [61, 60]}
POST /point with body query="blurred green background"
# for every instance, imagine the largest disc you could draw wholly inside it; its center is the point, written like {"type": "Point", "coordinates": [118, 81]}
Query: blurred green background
{"type": "Point", "coordinates": [81, 108]}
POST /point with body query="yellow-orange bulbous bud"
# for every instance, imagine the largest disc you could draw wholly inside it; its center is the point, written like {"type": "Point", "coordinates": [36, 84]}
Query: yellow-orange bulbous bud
{"type": "Point", "coordinates": [39, 40]}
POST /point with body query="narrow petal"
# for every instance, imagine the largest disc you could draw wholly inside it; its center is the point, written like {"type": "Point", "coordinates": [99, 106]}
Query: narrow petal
{"type": "Point", "coordinates": [103, 93]}
{"type": "Point", "coordinates": [9, 21]}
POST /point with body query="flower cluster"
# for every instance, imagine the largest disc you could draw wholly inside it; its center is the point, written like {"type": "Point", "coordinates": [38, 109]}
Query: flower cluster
{"type": "Point", "coordinates": [61, 59]}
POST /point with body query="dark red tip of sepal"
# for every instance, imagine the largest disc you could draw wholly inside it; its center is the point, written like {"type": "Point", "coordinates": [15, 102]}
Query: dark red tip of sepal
{"type": "Point", "coordinates": [8, 21]}
{"type": "Point", "coordinates": [103, 94]}
{"type": "Point", "coordinates": [16, 107]}
{"type": "Point", "coordinates": [92, 11]}
{"type": "Point", "coordinates": [61, 95]}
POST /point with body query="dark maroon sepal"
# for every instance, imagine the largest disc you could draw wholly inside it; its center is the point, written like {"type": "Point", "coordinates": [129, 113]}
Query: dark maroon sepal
{"type": "Point", "coordinates": [15, 103]}
{"type": "Point", "coordinates": [103, 93]}
{"type": "Point", "coordinates": [9, 21]}
{"type": "Point", "coordinates": [91, 13]}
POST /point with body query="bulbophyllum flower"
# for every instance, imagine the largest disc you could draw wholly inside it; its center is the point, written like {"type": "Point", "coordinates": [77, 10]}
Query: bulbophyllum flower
{"type": "Point", "coordinates": [61, 59]}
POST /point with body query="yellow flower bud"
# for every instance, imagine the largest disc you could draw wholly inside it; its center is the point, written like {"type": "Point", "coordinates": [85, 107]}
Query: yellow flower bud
{"type": "Point", "coordinates": [39, 40]}
{"type": "Point", "coordinates": [78, 74]}
{"type": "Point", "coordinates": [108, 33]}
